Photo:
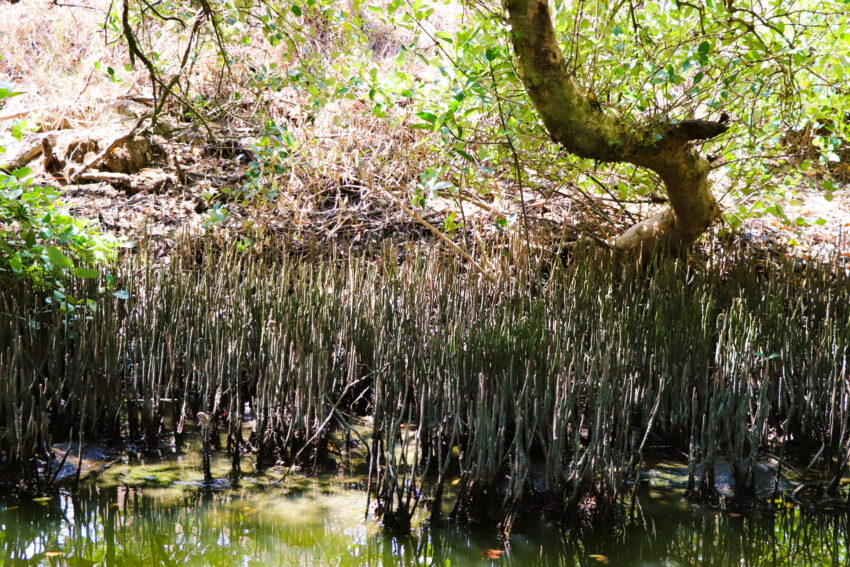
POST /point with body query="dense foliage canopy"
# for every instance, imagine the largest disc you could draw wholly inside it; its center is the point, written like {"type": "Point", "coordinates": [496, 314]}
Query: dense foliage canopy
{"type": "Point", "coordinates": [445, 72]}
{"type": "Point", "coordinates": [778, 69]}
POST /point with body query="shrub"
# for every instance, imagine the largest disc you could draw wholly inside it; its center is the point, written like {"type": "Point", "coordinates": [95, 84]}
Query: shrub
{"type": "Point", "coordinates": [39, 240]}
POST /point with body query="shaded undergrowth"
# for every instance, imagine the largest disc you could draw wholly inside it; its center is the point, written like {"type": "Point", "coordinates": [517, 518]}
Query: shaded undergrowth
{"type": "Point", "coordinates": [543, 393]}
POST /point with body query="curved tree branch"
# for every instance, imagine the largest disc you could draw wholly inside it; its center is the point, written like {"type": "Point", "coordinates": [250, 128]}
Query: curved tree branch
{"type": "Point", "coordinates": [584, 129]}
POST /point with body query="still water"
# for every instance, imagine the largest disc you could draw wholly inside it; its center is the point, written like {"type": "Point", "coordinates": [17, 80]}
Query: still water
{"type": "Point", "coordinates": [159, 514]}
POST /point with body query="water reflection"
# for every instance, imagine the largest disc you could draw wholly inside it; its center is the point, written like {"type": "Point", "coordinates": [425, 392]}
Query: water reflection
{"type": "Point", "coordinates": [132, 525]}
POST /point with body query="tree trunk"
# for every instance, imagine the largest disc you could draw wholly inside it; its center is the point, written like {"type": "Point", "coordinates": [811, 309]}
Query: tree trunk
{"type": "Point", "coordinates": [582, 127]}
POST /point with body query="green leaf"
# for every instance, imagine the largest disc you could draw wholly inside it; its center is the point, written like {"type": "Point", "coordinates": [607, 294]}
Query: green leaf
{"type": "Point", "coordinates": [58, 258]}
{"type": "Point", "coordinates": [85, 273]}
{"type": "Point", "coordinates": [21, 173]}
{"type": "Point", "coordinates": [492, 53]}
{"type": "Point", "coordinates": [464, 155]}
{"type": "Point", "coordinates": [16, 264]}
{"type": "Point", "coordinates": [450, 223]}
{"type": "Point", "coordinates": [7, 93]}
{"type": "Point", "coordinates": [427, 116]}
{"type": "Point", "coordinates": [296, 9]}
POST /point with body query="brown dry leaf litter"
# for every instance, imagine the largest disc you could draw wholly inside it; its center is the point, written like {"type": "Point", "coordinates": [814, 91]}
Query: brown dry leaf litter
{"type": "Point", "coordinates": [347, 179]}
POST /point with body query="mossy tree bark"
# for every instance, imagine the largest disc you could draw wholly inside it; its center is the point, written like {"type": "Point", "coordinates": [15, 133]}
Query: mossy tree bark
{"type": "Point", "coordinates": [584, 129]}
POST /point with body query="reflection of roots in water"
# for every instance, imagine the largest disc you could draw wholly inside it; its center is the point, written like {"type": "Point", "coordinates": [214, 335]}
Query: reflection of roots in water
{"type": "Point", "coordinates": [324, 526]}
